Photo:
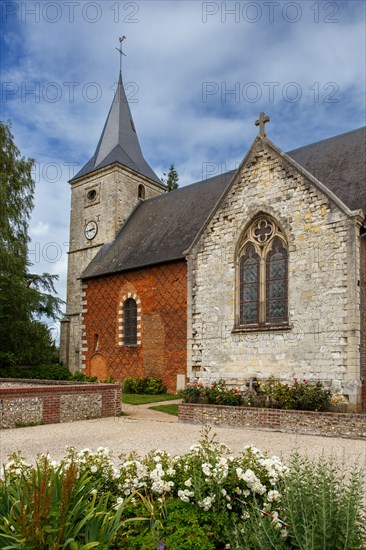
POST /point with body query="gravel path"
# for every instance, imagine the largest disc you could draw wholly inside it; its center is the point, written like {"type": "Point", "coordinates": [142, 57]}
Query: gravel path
{"type": "Point", "coordinates": [144, 430]}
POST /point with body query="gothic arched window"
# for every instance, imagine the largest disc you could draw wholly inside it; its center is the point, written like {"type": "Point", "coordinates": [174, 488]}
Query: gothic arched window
{"type": "Point", "coordinates": [263, 276]}
{"type": "Point", "coordinates": [130, 322]}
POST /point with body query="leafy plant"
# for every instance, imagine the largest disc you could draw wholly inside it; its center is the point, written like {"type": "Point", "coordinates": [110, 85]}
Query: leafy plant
{"type": "Point", "coordinates": [205, 499]}
{"type": "Point", "coordinates": [193, 392]}
{"type": "Point", "coordinates": [49, 508]}
{"type": "Point", "coordinates": [7, 359]}
{"type": "Point", "coordinates": [301, 395]}
{"type": "Point", "coordinates": [324, 506]}
{"type": "Point", "coordinates": [219, 394]}
{"type": "Point", "coordinates": [41, 372]}
{"type": "Point", "coordinates": [147, 385]}
{"type": "Point", "coordinates": [81, 377]}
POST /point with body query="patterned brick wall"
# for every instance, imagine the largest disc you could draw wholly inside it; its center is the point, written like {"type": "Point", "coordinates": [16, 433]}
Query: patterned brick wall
{"type": "Point", "coordinates": [161, 295]}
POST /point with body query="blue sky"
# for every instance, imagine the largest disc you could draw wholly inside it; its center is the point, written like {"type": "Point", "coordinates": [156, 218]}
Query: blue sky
{"type": "Point", "coordinates": [196, 73]}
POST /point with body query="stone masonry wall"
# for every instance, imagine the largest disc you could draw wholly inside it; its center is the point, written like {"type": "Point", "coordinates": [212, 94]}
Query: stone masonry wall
{"type": "Point", "coordinates": [161, 350]}
{"type": "Point", "coordinates": [116, 195]}
{"type": "Point", "coordinates": [324, 297]}
{"type": "Point", "coordinates": [302, 422]}
{"type": "Point", "coordinates": [48, 404]}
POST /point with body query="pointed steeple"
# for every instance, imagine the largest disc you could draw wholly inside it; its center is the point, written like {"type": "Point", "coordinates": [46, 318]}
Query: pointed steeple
{"type": "Point", "coordinates": [119, 142]}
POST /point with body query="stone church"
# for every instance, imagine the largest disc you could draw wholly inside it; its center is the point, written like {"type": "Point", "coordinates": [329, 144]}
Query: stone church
{"type": "Point", "coordinates": [256, 272]}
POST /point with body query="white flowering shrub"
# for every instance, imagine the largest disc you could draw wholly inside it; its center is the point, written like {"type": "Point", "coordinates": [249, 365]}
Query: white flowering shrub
{"type": "Point", "coordinates": [204, 499]}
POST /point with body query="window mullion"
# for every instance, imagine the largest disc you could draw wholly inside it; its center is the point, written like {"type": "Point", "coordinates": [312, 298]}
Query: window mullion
{"type": "Point", "coordinates": [262, 290]}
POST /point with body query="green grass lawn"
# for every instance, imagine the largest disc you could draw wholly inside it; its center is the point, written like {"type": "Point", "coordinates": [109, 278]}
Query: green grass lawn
{"type": "Point", "coordinates": [142, 399]}
{"type": "Point", "coordinates": [169, 409]}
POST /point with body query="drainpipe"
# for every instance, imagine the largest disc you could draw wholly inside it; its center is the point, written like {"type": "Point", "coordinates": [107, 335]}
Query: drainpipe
{"type": "Point", "coordinates": [363, 304]}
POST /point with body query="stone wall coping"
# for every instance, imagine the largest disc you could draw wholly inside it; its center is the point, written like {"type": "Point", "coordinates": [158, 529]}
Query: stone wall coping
{"type": "Point", "coordinates": [43, 382]}
{"type": "Point", "coordinates": [11, 391]}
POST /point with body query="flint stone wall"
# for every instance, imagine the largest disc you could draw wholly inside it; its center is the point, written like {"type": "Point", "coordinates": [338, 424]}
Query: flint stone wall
{"type": "Point", "coordinates": [28, 405]}
{"type": "Point", "coordinates": [330, 424]}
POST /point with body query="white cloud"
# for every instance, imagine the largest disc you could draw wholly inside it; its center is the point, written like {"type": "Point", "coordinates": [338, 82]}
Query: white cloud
{"type": "Point", "coordinates": [171, 54]}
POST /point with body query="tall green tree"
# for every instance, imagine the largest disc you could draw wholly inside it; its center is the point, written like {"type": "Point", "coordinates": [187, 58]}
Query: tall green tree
{"type": "Point", "coordinates": [172, 180]}
{"type": "Point", "coordinates": [24, 297]}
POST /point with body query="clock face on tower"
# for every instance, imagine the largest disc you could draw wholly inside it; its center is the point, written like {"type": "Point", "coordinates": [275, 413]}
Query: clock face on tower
{"type": "Point", "coordinates": [91, 229]}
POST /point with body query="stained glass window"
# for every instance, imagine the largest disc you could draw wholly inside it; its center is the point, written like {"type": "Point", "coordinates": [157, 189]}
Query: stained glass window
{"type": "Point", "coordinates": [263, 276]}
{"type": "Point", "coordinates": [130, 322]}
{"type": "Point", "coordinates": [249, 291]}
{"type": "Point", "coordinates": [276, 283]}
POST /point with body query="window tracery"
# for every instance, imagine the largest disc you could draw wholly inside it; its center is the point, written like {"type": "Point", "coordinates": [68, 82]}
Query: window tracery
{"type": "Point", "coordinates": [263, 275]}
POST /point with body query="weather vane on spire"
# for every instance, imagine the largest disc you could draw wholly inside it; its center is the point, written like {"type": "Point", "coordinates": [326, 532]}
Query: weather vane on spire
{"type": "Point", "coordinates": [121, 53]}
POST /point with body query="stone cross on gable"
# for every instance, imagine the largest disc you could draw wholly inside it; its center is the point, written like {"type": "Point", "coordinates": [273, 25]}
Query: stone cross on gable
{"type": "Point", "coordinates": [261, 122]}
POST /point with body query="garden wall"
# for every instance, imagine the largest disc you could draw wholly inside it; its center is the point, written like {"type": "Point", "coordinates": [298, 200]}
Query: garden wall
{"type": "Point", "coordinates": [32, 402]}
{"type": "Point", "coordinates": [330, 424]}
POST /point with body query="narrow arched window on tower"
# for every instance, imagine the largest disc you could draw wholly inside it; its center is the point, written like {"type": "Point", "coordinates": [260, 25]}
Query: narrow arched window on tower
{"type": "Point", "coordinates": [130, 322]}
{"type": "Point", "coordinates": [141, 192]}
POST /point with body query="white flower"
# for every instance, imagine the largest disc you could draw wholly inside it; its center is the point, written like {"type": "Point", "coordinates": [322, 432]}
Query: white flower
{"type": "Point", "coordinates": [185, 495]}
{"type": "Point", "coordinates": [273, 496]}
{"type": "Point", "coordinates": [188, 482]}
{"type": "Point", "coordinates": [94, 469]}
{"type": "Point", "coordinates": [206, 468]}
{"type": "Point", "coordinates": [206, 503]}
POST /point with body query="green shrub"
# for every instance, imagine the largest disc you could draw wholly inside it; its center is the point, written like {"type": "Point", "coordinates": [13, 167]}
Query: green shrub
{"type": "Point", "coordinates": [216, 394]}
{"type": "Point", "coordinates": [147, 385]}
{"type": "Point", "coordinates": [301, 395]}
{"type": "Point", "coordinates": [40, 372]}
{"type": "Point", "coordinates": [81, 377]}
{"type": "Point", "coordinates": [7, 359]}
{"type": "Point", "coordinates": [219, 394]}
{"type": "Point", "coordinates": [193, 393]}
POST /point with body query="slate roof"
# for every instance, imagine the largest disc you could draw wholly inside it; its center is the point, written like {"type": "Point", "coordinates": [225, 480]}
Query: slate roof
{"type": "Point", "coordinates": [161, 229]}
{"type": "Point", "coordinates": [340, 163]}
{"type": "Point", "coordinates": [119, 142]}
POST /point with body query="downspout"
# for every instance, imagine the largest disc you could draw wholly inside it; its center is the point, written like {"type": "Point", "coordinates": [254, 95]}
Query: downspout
{"type": "Point", "coordinates": [363, 328]}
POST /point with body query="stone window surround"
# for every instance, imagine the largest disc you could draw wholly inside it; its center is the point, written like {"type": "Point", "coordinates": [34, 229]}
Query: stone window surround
{"type": "Point", "coordinates": [246, 238]}
{"type": "Point", "coordinates": [121, 320]}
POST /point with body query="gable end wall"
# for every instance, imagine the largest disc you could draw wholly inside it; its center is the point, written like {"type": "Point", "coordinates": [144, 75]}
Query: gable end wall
{"type": "Point", "coordinates": [324, 296]}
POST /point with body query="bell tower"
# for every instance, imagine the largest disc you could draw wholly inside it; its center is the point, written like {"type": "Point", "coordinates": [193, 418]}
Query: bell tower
{"type": "Point", "coordinates": [103, 195]}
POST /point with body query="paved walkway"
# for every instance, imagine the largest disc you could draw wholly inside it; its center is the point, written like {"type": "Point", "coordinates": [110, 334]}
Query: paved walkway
{"type": "Point", "coordinates": [145, 429]}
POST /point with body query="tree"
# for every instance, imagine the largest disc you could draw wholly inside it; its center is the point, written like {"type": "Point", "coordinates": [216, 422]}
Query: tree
{"type": "Point", "coordinates": [172, 179]}
{"type": "Point", "coordinates": [24, 297]}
